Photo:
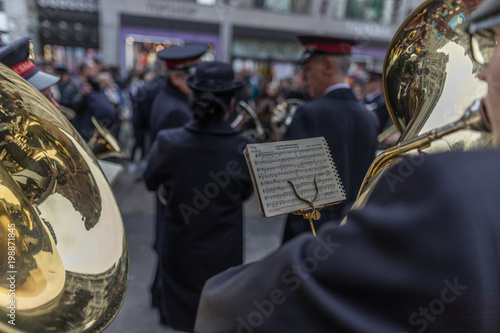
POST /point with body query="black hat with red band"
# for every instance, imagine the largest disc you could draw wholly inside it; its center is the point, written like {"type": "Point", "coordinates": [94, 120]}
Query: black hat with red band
{"type": "Point", "coordinates": [314, 44]}
{"type": "Point", "coordinates": [16, 55]}
{"type": "Point", "coordinates": [183, 56]}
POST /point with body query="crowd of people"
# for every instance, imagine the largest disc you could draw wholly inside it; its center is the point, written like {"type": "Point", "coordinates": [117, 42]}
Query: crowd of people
{"type": "Point", "coordinates": [123, 104]}
{"type": "Point", "coordinates": [422, 256]}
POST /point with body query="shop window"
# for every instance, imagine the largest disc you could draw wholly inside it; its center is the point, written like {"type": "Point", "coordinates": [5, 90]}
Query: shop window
{"type": "Point", "coordinates": [381, 11]}
{"type": "Point", "coordinates": [284, 6]}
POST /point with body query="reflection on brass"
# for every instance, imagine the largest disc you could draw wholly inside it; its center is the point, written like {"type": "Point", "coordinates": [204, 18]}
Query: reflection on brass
{"type": "Point", "coordinates": [247, 122]}
{"type": "Point", "coordinates": [63, 249]}
{"type": "Point", "coordinates": [429, 81]}
{"type": "Point", "coordinates": [103, 144]}
{"type": "Point", "coordinates": [429, 66]}
{"type": "Point", "coordinates": [282, 115]}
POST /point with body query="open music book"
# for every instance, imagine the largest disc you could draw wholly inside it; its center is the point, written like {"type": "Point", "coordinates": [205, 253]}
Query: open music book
{"type": "Point", "coordinates": [272, 165]}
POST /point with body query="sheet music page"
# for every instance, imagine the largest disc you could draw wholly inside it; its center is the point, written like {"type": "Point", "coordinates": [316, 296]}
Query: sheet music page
{"type": "Point", "coordinates": [299, 161]}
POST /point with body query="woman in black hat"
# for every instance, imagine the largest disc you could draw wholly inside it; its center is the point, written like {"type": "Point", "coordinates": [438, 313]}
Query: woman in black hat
{"type": "Point", "coordinates": [200, 172]}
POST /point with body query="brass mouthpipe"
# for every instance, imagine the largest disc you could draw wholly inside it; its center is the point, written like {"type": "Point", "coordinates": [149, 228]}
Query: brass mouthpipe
{"type": "Point", "coordinates": [474, 118]}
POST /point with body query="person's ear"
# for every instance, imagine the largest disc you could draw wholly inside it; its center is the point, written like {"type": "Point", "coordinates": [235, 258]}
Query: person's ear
{"type": "Point", "coordinates": [330, 65]}
{"type": "Point", "coordinates": [176, 78]}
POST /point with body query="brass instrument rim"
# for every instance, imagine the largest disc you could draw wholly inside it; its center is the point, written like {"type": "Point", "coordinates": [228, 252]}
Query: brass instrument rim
{"type": "Point", "coordinates": [388, 56]}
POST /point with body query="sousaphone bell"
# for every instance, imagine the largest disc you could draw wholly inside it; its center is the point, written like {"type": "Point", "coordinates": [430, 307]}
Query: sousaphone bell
{"type": "Point", "coordinates": [64, 264]}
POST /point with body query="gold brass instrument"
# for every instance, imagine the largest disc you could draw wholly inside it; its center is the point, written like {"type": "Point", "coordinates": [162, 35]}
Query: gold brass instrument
{"type": "Point", "coordinates": [247, 122]}
{"type": "Point", "coordinates": [103, 144]}
{"type": "Point", "coordinates": [429, 80]}
{"type": "Point", "coordinates": [64, 261]}
{"type": "Point", "coordinates": [282, 114]}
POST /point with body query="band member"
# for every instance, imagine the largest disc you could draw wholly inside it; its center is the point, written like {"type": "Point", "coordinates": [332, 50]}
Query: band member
{"type": "Point", "coordinates": [374, 98]}
{"type": "Point", "coordinates": [422, 256]}
{"type": "Point", "coordinates": [205, 180]}
{"type": "Point", "coordinates": [170, 107]}
{"type": "Point", "coordinates": [169, 103]}
{"type": "Point", "coordinates": [335, 113]}
{"type": "Point", "coordinates": [16, 55]}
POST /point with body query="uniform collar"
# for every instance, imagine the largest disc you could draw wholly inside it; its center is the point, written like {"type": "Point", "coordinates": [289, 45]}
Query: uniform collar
{"type": "Point", "coordinates": [335, 87]}
{"type": "Point", "coordinates": [373, 95]}
{"type": "Point", "coordinates": [173, 90]}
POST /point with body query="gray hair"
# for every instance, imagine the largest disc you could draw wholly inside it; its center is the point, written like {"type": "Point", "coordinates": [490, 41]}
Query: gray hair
{"type": "Point", "coordinates": [343, 62]}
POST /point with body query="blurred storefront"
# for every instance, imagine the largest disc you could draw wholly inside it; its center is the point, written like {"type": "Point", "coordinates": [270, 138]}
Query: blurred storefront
{"type": "Point", "coordinates": [256, 35]}
{"type": "Point", "coordinates": [251, 34]}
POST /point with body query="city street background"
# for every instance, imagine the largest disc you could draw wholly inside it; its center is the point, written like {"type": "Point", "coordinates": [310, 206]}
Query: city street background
{"type": "Point", "coordinates": [137, 206]}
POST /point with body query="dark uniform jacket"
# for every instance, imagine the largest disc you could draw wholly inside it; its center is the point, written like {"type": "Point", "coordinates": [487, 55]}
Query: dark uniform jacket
{"type": "Point", "coordinates": [376, 103]}
{"type": "Point", "coordinates": [170, 109]}
{"type": "Point", "coordinates": [143, 103]}
{"type": "Point", "coordinates": [206, 180]}
{"type": "Point", "coordinates": [351, 133]}
{"type": "Point", "coordinates": [423, 255]}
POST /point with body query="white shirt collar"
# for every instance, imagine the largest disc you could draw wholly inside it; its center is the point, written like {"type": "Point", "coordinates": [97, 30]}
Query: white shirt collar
{"type": "Point", "coordinates": [336, 86]}
{"type": "Point", "coordinates": [374, 94]}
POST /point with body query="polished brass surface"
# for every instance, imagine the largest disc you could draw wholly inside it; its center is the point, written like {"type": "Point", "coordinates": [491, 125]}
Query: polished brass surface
{"type": "Point", "coordinates": [103, 144]}
{"type": "Point", "coordinates": [429, 67]}
{"type": "Point", "coordinates": [429, 80]}
{"type": "Point", "coordinates": [64, 253]}
{"type": "Point", "coordinates": [471, 120]}
{"type": "Point", "coordinates": [282, 114]}
{"type": "Point", "coordinates": [247, 122]}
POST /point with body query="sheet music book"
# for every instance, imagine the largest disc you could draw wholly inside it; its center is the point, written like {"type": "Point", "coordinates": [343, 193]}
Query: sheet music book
{"type": "Point", "coordinates": [273, 164]}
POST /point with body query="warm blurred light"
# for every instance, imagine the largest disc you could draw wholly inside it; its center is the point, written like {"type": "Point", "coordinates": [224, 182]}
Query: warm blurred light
{"type": "Point", "coordinates": [159, 48]}
{"type": "Point", "coordinates": [47, 53]}
{"type": "Point", "coordinates": [130, 40]}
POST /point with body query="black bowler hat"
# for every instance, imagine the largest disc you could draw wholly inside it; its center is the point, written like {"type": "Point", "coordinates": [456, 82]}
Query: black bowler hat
{"type": "Point", "coordinates": [183, 56]}
{"type": "Point", "coordinates": [214, 76]}
{"type": "Point", "coordinates": [486, 16]}
{"type": "Point", "coordinates": [315, 44]}
{"type": "Point", "coordinates": [16, 55]}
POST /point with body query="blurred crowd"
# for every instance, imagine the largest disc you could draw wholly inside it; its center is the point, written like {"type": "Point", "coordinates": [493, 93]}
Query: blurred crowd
{"type": "Point", "coordinates": [96, 87]}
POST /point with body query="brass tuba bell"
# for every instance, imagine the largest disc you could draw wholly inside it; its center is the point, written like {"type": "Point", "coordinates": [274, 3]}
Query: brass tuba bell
{"type": "Point", "coordinates": [64, 259]}
{"type": "Point", "coordinates": [429, 81]}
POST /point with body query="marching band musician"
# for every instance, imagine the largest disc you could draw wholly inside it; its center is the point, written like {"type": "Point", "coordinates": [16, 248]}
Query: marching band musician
{"type": "Point", "coordinates": [206, 180]}
{"type": "Point", "coordinates": [335, 113]}
{"type": "Point", "coordinates": [166, 105]}
{"type": "Point", "coordinates": [170, 107]}
{"type": "Point", "coordinates": [421, 256]}
{"type": "Point", "coordinates": [16, 55]}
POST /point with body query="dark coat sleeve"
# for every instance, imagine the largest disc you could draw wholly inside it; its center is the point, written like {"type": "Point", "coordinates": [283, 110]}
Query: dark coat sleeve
{"type": "Point", "coordinates": [421, 256]}
{"type": "Point", "coordinates": [157, 166]}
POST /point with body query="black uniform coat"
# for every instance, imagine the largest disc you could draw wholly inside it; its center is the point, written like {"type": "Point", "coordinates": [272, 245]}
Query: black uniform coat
{"type": "Point", "coordinates": [206, 181]}
{"type": "Point", "coordinates": [423, 255]}
{"type": "Point", "coordinates": [144, 102]}
{"type": "Point", "coordinates": [170, 109]}
{"type": "Point", "coordinates": [351, 133]}
{"type": "Point", "coordinates": [376, 103]}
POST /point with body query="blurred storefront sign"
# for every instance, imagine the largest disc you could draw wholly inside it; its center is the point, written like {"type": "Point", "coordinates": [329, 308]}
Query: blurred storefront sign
{"type": "Point", "coordinates": [266, 49]}
{"type": "Point", "coordinates": [70, 23]}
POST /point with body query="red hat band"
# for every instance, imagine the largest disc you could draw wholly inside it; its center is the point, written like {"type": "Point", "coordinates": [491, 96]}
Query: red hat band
{"type": "Point", "coordinates": [341, 48]}
{"type": "Point", "coordinates": [24, 68]}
